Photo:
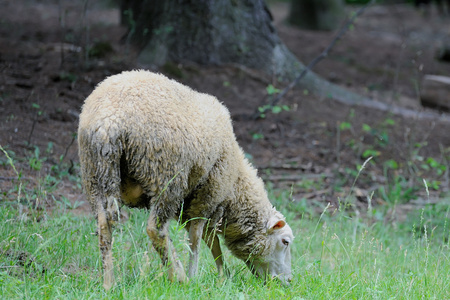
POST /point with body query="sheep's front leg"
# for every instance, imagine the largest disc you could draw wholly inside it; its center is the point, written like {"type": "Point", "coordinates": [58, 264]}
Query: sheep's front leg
{"type": "Point", "coordinates": [195, 238]}
{"type": "Point", "coordinates": [158, 231]}
{"type": "Point", "coordinates": [212, 240]}
{"type": "Point", "coordinates": [104, 231]}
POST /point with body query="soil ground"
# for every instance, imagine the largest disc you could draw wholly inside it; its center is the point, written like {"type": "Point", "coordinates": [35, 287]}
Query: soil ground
{"type": "Point", "coordinates": [313, 150]}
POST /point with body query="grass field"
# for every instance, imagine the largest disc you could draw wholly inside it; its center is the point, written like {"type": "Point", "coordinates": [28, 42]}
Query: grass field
{"type": "Point", "coordinates": [350, 254]}
{"type": "Point", "coordinates": [55, 255]}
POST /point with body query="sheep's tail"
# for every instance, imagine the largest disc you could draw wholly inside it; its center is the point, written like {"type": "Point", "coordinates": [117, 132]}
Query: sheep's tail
{"type": "Point", "coordinates": [100, 151]}
{"type": "Point", "coordinates": [100, 154]}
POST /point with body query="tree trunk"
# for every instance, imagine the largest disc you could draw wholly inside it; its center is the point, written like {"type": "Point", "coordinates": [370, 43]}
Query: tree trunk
{"type": "Point", "coordinates": [317, 14]}
{"type": "Point", "coordinates": [218, 32]}
{"type": "Point", "coordinates": [209, 33]}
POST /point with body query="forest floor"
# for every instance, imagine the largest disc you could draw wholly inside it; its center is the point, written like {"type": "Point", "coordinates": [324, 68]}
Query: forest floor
{"type": "Point", "coordinates": [52, 56]}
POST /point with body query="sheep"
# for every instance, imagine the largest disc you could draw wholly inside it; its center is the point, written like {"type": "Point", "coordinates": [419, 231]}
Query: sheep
{"type": "Point", "coordinates": [147, 141]}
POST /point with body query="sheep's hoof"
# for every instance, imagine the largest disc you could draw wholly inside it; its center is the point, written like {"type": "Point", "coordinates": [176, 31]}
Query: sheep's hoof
{"type": "Point", "coordinates": [225, 273]}
{"type": "Point", "coordinates": [179, 279]}
{"type": "Point", "coordinates": [221, 280]}
{"type": "Point", "coordinates": [107, 285]}
{"type": "Point", "coordinates": [178, 276]}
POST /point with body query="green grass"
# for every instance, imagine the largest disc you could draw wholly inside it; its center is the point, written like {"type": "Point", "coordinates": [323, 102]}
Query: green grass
{"type": "Point", "coordinates": [334, 257]}
{"type": "Point", "coordinates": [354, 254]}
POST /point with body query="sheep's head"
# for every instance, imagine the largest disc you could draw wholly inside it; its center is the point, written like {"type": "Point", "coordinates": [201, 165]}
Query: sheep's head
{"type": "Point", "coordinates": [274, 258]}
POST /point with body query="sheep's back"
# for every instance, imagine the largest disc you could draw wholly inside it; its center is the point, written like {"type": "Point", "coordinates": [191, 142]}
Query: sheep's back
{"type": "Point", "coordinates": [144, 101]}
{"type": "Point", "coordinates": [167, 131]}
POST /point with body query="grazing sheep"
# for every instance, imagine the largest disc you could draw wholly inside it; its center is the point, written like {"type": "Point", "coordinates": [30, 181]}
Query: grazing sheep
{"type": "Point", "coordinates": [148, 141]}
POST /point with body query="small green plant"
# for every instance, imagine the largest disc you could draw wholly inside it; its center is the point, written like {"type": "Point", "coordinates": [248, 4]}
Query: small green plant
{"type": "Point", "coordinates": [9, 157]}
{"type": "Point", "coordinates": [430, 164]}
{"type": "Point", "coordinates": [345, 126]}
{"type": "Point", "coordinates": [10, 161]}
{"type": "Point", "coordinates": [66, 204]}
{"type": "Point", "coordinates": [37, 107]}
{"type": "Point", "coordinates": [271, 90]}
{"type": "Point", "coordinates": [275, 109]}
{"type": "Point", "coordinates": [257, 136]}
{"type": "Point", "coordinates": [39, 113]}
{"type": "Point", "coordinates": [370, 153]}
{"type": "Point", "coordinates": [163, 30]}
{"type": "Point", "coordinates": [67, 76]}
{"type": "Point", "coordinates": [379, 135]}
{"type": "Point", "coordinates": [402, 174]}
{"type": "Point", "coordinates": [419, 166]}
{"type": "Point", "coordinates": [398, 190]}
{"type": "Point", "coordinates": [35, 161]}
{"type": "Point", "coordinates": [100, 49]}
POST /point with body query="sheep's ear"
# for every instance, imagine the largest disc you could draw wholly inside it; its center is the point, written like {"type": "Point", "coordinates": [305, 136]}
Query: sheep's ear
{"type": "Point", "coordinates": [275, 224]}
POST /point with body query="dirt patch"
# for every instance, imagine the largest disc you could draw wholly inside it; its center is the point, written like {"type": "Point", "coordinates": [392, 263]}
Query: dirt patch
{"type": "Point", "coordinates": [315, 148]}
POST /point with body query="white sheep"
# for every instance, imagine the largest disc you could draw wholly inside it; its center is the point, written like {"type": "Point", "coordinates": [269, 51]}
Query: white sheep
{"type": "Point", "coordinates": [151, 142]}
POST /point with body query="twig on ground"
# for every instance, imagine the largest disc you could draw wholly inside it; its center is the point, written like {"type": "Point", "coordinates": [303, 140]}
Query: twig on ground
{"type": "Point", "coordinates": [316, 60]}
{"type": "Point", "coordinates": [295, 177]}
{"type": "Point", "coordinates": [74, 137]}
{"type": "Point", "coordinates": [35, 119]}
{"type": "Point", "coordinates": [315, 194]}
{"type": "Point", "coordinates": [288, 166]}
{"type": "Point", "coordinates": [446, 179]}
{"type": "Point", "coordinates": [7, 178]}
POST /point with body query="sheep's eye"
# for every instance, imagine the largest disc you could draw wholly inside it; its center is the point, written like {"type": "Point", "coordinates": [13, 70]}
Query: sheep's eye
{"type": "Point", "coordinates": [285, 242]}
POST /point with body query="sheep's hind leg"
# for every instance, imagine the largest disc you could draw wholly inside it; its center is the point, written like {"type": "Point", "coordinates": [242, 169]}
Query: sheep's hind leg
{"type": "Point", "coordinates": [212, 240]}
{"type": "Point", "coordinates": [195, 238]}
{"type": "Point", "coordinates": [158, 232]}
{"type": "Point", "coordinates": [105, 242]}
